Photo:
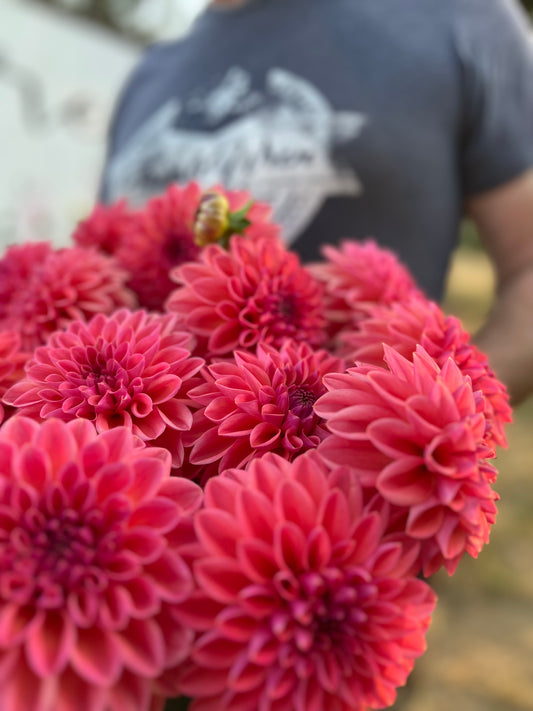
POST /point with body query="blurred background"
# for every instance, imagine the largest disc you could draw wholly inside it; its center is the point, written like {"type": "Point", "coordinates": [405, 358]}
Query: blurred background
{"type": "Point", "coordinates": [62, 63]}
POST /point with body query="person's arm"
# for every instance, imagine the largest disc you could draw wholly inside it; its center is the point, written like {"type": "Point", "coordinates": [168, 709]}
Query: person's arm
{"type": "Point", "coordinates": [504, 218]}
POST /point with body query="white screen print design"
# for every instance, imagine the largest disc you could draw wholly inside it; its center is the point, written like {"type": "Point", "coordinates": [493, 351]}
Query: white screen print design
{"type": "Point", "coordinates": [276, 144]}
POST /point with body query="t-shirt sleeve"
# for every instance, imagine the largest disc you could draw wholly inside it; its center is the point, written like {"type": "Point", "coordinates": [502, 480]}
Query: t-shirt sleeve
{"type": "Point", "coordinates": [494, 43]}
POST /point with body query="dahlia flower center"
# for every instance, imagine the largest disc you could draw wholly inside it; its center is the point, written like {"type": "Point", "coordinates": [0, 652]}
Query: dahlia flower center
{"type": "Point", "coordinates": [283, 306]}
{"type": "Point", "coordinates": [46, 556]}
{"type": "Point", "coordinates": [323, 612]}
{"type": "Point", "coordinates": [107, 381]}
{"type": "Point", "coordinates": [301, 402]}
{"type": "Point", "coordinates": [178, 247]}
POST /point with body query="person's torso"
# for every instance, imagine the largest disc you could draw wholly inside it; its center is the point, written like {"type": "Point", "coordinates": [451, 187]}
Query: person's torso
{"type": "Point", "coordinates": [345, 116]}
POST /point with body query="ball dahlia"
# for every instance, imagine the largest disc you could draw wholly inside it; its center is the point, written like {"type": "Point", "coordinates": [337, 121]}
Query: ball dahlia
{"type": "Point", "coordinates": [299, 606]}
{"type": "Point", "coordinates": [160, 237]}
{"type": "Point", "coordinates": [257, 291]}
{"type": "Point", "coordinates": [104, 228]}
{"type": "Point", "coordinates": [259, 403]}
{"type": "Point", "coordinates": [357, 274]}
{"type": "Point", "coordinates": [90, 567]}
{"type": "Point", "coordinates": [404, 325]}
{"type": "Point", "coordinates": [416, 433]}
{"type": "Point", "coordinates": [43, 289]}
{"type": "Point", "coordinates": [128, 369]}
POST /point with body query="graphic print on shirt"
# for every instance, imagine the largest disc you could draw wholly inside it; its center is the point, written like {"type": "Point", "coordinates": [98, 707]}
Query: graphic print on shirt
{"type": "Point", "coordinates": [278, 144]}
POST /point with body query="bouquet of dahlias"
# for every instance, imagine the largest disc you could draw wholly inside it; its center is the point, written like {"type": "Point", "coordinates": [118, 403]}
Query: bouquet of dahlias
{"type": "Point", "coordinates": [224, 475]}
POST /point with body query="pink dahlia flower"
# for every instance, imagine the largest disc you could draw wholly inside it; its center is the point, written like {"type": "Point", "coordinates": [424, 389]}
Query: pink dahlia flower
{"type": "Point", "coordinates": [416, 433]}
{"type": "Point", "coordinates": [160, 237]}
{"type": "Point", "coordinates": [90, 567]}
{"type": "Point", "coordinates": [357, 274]}
{"type": "Point", "coordinates": [418, 321]}
{"type": "Point", "coordinates": [129, 369]}
{"type": "Point", "coordinates": [299, 605]}
{"type": "Point", "coordinates": [42, 289]}
{"type": "Point", "coordinates": [12, 361]}
{"type": "Point", "coordinates": [257, 291]}
{"type": "Point", "coordinates": [259, 403]}
{"type": "Point", "coordinates": [104, 228]}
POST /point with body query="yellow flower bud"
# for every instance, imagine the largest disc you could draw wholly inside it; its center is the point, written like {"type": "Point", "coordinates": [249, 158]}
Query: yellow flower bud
{"type": "Point", "coordinates": [212, 219]}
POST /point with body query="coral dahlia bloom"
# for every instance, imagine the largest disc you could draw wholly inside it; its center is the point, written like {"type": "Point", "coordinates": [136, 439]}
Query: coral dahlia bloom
{"type": "Point", "coordinates": [12, 361]}
{"type": "Point", "coordinates": [299, 604]}
{"type": "Point", "coordinates": [257, 291]}
{"type": "Point", "coordinates": [260, 403]}
{"type": "Point", "coordinates": [357, 274]}
{"type": "Point", "coordinates": [127, 369]}
{"type": "Point", "coordinates": [104, 228]}
{"type": "Point", "coordinates": [42, 289]}
{"type": "Point", "coordinates": [90, 567]}
{"type": "Point", "coordinates": [415, 432]}
{"type": "Point", "coordinates": [419, 321]}
{"type": "Point", "coordinates": [160, 237]}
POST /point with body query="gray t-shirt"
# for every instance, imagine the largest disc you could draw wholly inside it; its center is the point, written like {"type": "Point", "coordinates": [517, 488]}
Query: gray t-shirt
{"type": "Point", "coordinates": [353, 118]}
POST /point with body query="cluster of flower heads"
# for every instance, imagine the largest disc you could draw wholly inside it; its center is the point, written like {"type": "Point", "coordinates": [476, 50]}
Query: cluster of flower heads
{"type": "Point", "coordinates": [225, 474]}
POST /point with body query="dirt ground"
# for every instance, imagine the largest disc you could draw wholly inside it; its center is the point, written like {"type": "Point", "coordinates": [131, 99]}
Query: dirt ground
{"type": "Point", "coordinates": [480, 646]}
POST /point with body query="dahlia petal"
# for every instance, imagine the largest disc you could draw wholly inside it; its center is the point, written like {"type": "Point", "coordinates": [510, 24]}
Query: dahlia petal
{"type": "Point", "coordinates": [82, 607]}
{"type": "Point", "coordinates": [293, 503]}
{"type": "Point", "coordinates": [176, 415]}
{"type": "Point", "coordinates": [245, 676]}
{"type": "Point", "coordinates": [236, 625]}
{"type": "Point", "coordinates": [222, 578]}
{"type": "Point", "coordinates": [96, 657]}
{"type": "Point", "coordinates": [218, 532]}
{"type": "Point", "coordinates": [143, 543]}
{"type": "Point", "coordinates": [289, 547]}
{"type": "Point", "coordinates": [164, 387]}
{"type": "Point", "coordinates": [335, 516]}
{"type": "Point", "coordinates": [132, 693]}
{"type": "Point", "coordinates": [393, 437]}
{"type": "Point", "coordinates": [146, 480]}
{"type": "Point", "coordinates": [140, 599]}
{"type": "Point", "coordinates": [72, 688]}
{"type": "Point", "coordinates": [425, 521]}
{"type": "Point", "coordinates": [257, 560]}
{"type": "Point", "coordinates": [185, 494]}
{"type": "Point", "coordinates": [196, 683]}
{"type": "Point", "coordinates": [21, 692]}
{"type": "Point", "coordinates": [208, 448]}
{"type": "Point", "coordinates": [233, 425]}
{"type": "Point", "coordinates": [216, 651]}
{"type": "Point", "coordinates": [318, 549]}
{"type": "Point", "coordinates": [33, 467]}
{"type": "Point", "coordinates": [362, 457]}
{"type": "Point", "coordinates": [150, 426]}
{"type": "Point", "coordinates": [49, 644]}
{"type": "Point", "coordinates": [112, 479]}
{"type": "Point", "coordinates": [197, 611]}
{"type": "Point", "coordinates": [225, 337]}
{"type": "Point", "coordinates": [405, 482]}
{"type": "Point", "coordinates": [160, 514]}
{"type": "Point", "coordinates": [171, 577]}
{"type": "Point", "coordinates": [115, 608]}
{"type": "Point", "coordinates": [142, 648]}
{"type": "Point", "coordinates": [58, 443]}
{"type": "Point", "coordinates": [16, 622]}
{"type": "Point", "coordinates": [451, 538]}
{"type": "Point", "coordinates": [264, 435]}
{"type": "Point", "coordinates": [255, 513]}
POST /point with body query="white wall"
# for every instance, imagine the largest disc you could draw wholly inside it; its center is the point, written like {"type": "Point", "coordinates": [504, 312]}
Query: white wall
{"type": "Point", "coordinates": [59, 78]}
